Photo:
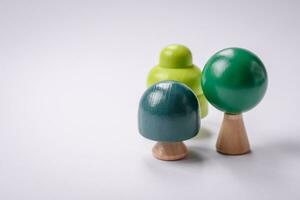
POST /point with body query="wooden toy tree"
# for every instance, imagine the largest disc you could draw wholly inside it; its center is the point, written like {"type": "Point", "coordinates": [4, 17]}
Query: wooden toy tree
{"type": "Point", "coordinates": [234, 80]}
{"type": "Point", "coordinates": [176, 63]}
{"type": "Point", "coordinates": [169, 113]}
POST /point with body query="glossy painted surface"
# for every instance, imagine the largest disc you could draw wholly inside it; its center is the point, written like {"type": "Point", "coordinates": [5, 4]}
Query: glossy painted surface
{"type": "Point", "coordinates": [176, 56]}
{"type": "Point", "coordinates": [168, 112]}
{"type": "Point", "coordinates": [234, 80]}
{"type": "Point", "coordinates": [176, 64]}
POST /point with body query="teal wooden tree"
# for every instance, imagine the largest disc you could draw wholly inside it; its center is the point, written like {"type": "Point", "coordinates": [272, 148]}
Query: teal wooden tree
{"type": "Point", "coordinates": [169, 113]}
{"type": "Point", "coordinates": [234, 80]}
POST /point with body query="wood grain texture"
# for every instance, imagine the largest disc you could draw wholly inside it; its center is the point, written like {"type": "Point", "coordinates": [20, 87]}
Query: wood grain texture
{"type": "Point", "coordinates": [233, 138]}
{"type": "Point", "coordinates": [169, 150]}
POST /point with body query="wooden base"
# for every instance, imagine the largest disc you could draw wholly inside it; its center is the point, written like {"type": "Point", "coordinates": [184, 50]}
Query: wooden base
{"type": "Point", "coordinates": [233, 138]}
{"type": "Point", "coordinates": [169, 150]}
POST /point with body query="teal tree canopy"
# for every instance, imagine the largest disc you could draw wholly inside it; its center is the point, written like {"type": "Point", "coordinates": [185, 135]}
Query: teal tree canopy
{"type": "Point", "coordinates": [168, 112]}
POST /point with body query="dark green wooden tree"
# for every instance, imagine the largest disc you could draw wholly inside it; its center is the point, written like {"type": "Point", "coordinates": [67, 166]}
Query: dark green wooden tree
{"type": "Point", "coordinates": [234, 80]}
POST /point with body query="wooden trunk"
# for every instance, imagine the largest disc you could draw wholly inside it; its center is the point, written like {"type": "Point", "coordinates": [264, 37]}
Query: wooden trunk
{"type": "Point", "coordinates": [169, 150]}
{"type": "Point", "coordinates": [233, 138]}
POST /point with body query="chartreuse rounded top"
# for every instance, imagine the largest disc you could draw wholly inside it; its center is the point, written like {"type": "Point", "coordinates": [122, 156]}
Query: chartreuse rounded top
{"type": "Point", "coordinates": [175, 56]}
{"type": "Point", "coordinates": [234, 80]}
{"type": "Point", "coordinates": [168, 112]}
{"type": "Point", "coordinates": [176, 64]}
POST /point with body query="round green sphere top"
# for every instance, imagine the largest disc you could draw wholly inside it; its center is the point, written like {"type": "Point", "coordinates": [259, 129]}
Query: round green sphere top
{"type": "Point", "coordinates": [175, 56]}
{"type": "Point", "coordinates": [168, 112]}
{"type": "Point", "coordinates": [234, 80]}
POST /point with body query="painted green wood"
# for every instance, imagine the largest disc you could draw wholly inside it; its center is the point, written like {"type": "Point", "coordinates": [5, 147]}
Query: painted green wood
{"type": "Point", "coordinates": [168, 112]}
{"type": "Point", "coordinates": [176, 64]}
{"type": "Point", "coordinates": [234, 80]}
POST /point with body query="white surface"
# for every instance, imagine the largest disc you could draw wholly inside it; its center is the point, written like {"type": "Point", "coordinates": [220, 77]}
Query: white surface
{"type": "Point", "coordinates": [72, 73]}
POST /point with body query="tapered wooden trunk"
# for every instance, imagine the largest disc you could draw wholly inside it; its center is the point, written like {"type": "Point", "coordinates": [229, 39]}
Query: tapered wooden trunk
{"type": "Point", "coordinates": [233, 138]}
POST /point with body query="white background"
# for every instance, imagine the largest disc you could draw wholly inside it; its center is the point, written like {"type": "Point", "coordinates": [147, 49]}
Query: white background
{"type": "Point", "coordinates": [72, 73]}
